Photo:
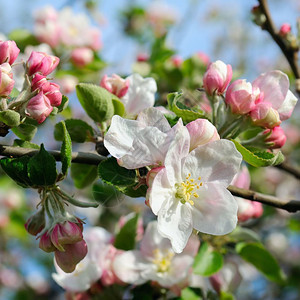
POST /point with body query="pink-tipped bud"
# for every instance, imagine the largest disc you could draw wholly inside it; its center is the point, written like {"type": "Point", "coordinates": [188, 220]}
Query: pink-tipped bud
{"type": "Point", "coordinates": [203, 57]}
{"type": "Point", "coordinates": [39, 107]}
{"type": "Point", "coordinates": [240, 97]}
{"type": "Point", "coordinates": [72, 255]}
{"type": "Point", "coordinates": [40, 62]}
{"type": "Point", "coordinates": [115, 85]}
{"type": "Point", "coordinates": [53, 94]}
{"type": "Point", "coordinates": [82, 56]}
{"type": "Point", "coordinates": [46, 244]}
{"type": "Point", "coordinates": [65, 233]}
{"type": "Point", "coordinates": [201, 132]}
{"type": "Point", "coordinates": [177, 61]}
{"type": "Point", "coordinates": [142, 57]}
{"type": "Point", "coordinates": [8, 52]}
{"type": "Point", "coordinates": [276, 139]}
{"type": "Point", "coordinates": [264, 115]}
{"type": "Point", "coordinates": [217, 77]}
{"type": "Point", "coordinates": [39, 82]}
{"type": "Point", "coordinates": [6, 80]}
{"type": "Point", "coordinates": [36, 223]}
{"type": "Point", "coordinates": [285, 29]}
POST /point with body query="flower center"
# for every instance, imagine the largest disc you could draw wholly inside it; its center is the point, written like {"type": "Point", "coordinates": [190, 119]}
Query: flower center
{"type": "Point", "coordinates": [186, 189]}
{"type": "Point", "coordinates": [162, 259]}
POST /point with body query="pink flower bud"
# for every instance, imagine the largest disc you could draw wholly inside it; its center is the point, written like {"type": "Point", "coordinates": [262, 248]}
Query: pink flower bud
{"type": "Point", "coordinates": [8, 52]}
{"type": "Point", "coordinates": [53, 94]}
{"type": "Point", "coordinates": [285, 29]}
{"type": "Point", "coordinates": [177, 61]}
{"type": "Point", "coordinates": [46, 244]}
{"type": "Point", "coordinates": [65, 233]}
{"type": "Point", "coordinates": [41, 62]}
{"type": "Point", "coordinates": [142, 57]}
{"type": "Point", "coordinates": [240, 97]}
{"type": "Point", "coordinates": [82, 56]}
{"type": "Point", "coordinates": [203, 57]}
{"type": "Point", "coordinates": [277, 137]}
{"type": "Point", "coordinates": [6, 80]}
{"type": "Point", "coordinates": [39, 82]}
{"type": "Point", "coordinates": [201, 132]}
{"type": "Point", "coordinates": [115, 85]}
{"type": "Point", "coordinates": [36, 223]}
{"type": "Point", "coordinates": [72, 255]}
{"type": "Point", "coordinates": [217, 77]}
{"type": "Point", "coordinates": [39, 107]}
{"type": "Point", "coordinates": [264, 115]}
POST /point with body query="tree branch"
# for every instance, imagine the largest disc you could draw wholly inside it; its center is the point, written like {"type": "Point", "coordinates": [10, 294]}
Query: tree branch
{"type": "Point", "coordinates": [289, 169]}
{"type": "Point", "coordinates": [291, 54]}
{"type": "Point", "coordinates": [93, 158]}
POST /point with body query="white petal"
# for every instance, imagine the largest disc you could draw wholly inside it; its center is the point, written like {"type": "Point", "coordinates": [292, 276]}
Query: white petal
{"type": "Point", "coordinates": [215, 211]}
{"type": "Point", "coordinates": [175, 223]}
{"type": "Point", "coordinates": [287, 107]}
{"type": "Point", "coordinates": [131, 267]}
{"type": "Point", "coordinates": [120, 136]}
{"type": "Point", "coordinates": [216, 161]}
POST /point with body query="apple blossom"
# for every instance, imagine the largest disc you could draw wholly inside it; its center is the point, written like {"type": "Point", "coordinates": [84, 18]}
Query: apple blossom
{"type": "Point", "coordinates": [276, 138]}
{"type": "Point", "coordinates": [240, 97]}
{"type": "Point", "coordinates": [41, 62]}
{"type": "Point", "coordinates": [276, 102]}
{"type": "Point", "coordinates": [8, 52]}
{"type": "Point", "coordinates": [140, 94]}
{"type": "Point", "coordinates": [217, 77]}
{"type": "Point", "coordinates": [36, 223]}
{"type": "Point", "coordinates": [6, 80]}
{"type": "Point", "coordinates": [285, 29]}
{"type": "Point", "coordinates": [82, 56]}
{"type": "Point", "coordinates": [156, 260]}
{"type": "Point", "coordinates": [115, 85]}
{"type": "Point", "coordinates": [190, 192]}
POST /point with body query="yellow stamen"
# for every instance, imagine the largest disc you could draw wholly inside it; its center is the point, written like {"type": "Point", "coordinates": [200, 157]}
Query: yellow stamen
{"type": "Point", "coordinates": [162, 259]}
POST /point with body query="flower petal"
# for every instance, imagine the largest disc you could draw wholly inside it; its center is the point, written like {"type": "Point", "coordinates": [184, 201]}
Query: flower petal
{"type": "Point", "coordinates": [216, 161]}
{"type": "Point", "coordinates": [287, 107]}
{"type": "Point", "coordinates": [215, 211]}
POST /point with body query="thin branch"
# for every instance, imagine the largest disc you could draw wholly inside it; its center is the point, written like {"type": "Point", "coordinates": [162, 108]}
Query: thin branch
{"type": "Point", "coordinates": [291, 54]}
{"type": "Point", "coordinates": [289, 169]}
{"type": "Point", "coordinates": [93, 158]}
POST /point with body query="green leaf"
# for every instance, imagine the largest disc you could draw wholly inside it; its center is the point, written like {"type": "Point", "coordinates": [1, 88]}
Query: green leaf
{"type": "Point", "coordinates": [96, 101]}
{"type": "Point", "coordinates": [66, 149]}
{"type": "Point", "coordinates": [119, 108]}
{"type": "Point", "coordinates": [23, 38]}
{"type": "Point", "coordinates": [83, 175]}
{"type": "Point", "coordinates": [78, 130]}
{"type": "Point", "coordinates": [125, 239]}
{"type": "Point", "coordinates": [259, 159]}
{"type": "Point", "coordinates": [207, 261]}
{"type": "Point", "coordinates": [16, 169]}
{"type": "Point", "coordinates": [181, 110]}
{"type": "Point", "coordinates": [42, 168]}
{"type": "Point", "coordinates": [226, 296]}
{"type": "Point", "coordinates": [107, 195]}
{"type": "Point", "coordinates": [25, 144]}
{"type": "Point", "coordinates": [241, 234]}
{"type": "Point", "coordinates": [64, 103]}
{"type": "Point", "coordinates": [10, 118]}
{"type": "Point", "coordinates": [160, 52]}
{"type": "Point", "coordinates": [190, 293]}
{"type": "Point", "coordinates": [259, 257]}
{"type": "Point", "coordinates": [25, 131]}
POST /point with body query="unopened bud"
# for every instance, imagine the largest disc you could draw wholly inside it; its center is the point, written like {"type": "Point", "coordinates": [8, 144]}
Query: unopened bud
{"type": "Point", "coordinates": [40, 62]}
{"type": "Point", "coordinates": [8, 52]}
{"type": "Point", "coordinates": [275, 137]}
{"type": "Point", "coordinates": [6, 80]}
{"type": "Point", "coordinates": [82, 56]}
{"type": "Point", "coordinates": [115, 85]}
{"type": "Point", "coordinates": [36, 223]}
{"type": "Point", "coordinates": [264, 115]}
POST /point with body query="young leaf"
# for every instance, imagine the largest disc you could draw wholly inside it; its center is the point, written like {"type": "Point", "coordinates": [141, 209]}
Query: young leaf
{"type": "Point", "coordinates": [181, 110]}
{"type": "Point", "coordinates": [190, 293]}
{"type": "Point", "coordinates": [25, 144]}
{"type": "Point", "coordinates": [96, 101]}
{"type": "Point", "coordinates": [10, 118]}
{"type": "Point", "coordinates": [83, 175]}
{"type": "Point", "coordinates": [25, 131]}
{"type": "Point", "coordinates": [64, 103]}
{"type": "Point", "coordinates": [78, 130]}
{"type": "Point", "coordinates": [258, 256]}
{"type": "Point", "coordinates": [42, 168]}
{"type": "Point", "coordinates": [16, 169]}
{"type": "Point", "coordinates": [119, 108]}
{"type": "Point", "coordinates": [66, 149]}
{"type": "Point", "coordinates": [207, 261]}
{"type": "Point", "coordinates": [125, 239]}
{"type": "Point", "coordinates": [23, 38]}
{"type": "Point", "coordinates": [259, 159]}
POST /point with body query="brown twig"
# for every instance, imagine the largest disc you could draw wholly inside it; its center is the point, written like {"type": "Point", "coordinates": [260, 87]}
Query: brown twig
{"type": "Point", "coordinates": [289, 169]}
{"type": "Point", "coordinates": [93, 158]}
{"type": "Point", "coordinates": [290, 53]}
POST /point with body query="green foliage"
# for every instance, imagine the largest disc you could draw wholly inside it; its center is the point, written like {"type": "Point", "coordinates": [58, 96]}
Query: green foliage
{"type": "Point", "coordinates": [79, 130]}
{"type": "Point", "coordinates": [25, 144]}
{"type": "Point", "coordinates": [96, 101]}
{"type": "Point", "coordinates": [10, 118]}
{"type": "Point", "coordinates": [66, 149]}
{"type": "Point", "coordinates": [83, 175]}
{"type": "Point", "coordinates": [25, 131]}
{"type": "Point", "coordinates": [42, 168]}
{"type": "Point", "coordinates": [119, 108]}
{"type": "Point", "coordinates": [259, 158]}
{"type": "Point", "coordinates": [125, 239]}
{"type": "Point", "coordinates": [182, 111]}
{"type": "Point", "coordinates": [241, 234]}
{"type": "Point", "coordinates": [63, 105]}
{"type": "Point", "coordinates": [23, 38]}
{"type": "Point", "coordinates": [207, 261]}
{"type": "Point", "coordinates": [191, 294]}
{"type": "Point", "coordinates": [261, 258]}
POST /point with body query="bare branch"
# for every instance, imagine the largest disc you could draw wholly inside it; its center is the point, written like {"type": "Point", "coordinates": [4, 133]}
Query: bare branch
{"type": "Point", "coordinates": [289, 169]}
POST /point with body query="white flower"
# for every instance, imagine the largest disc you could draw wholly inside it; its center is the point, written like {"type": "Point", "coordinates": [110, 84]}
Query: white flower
{"type": "Point", "coordinates": [190, 192]}
{"type": "Point", "coordinates": [140, 94]}
{"type": "Point", "coordinates": [155, 261]}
